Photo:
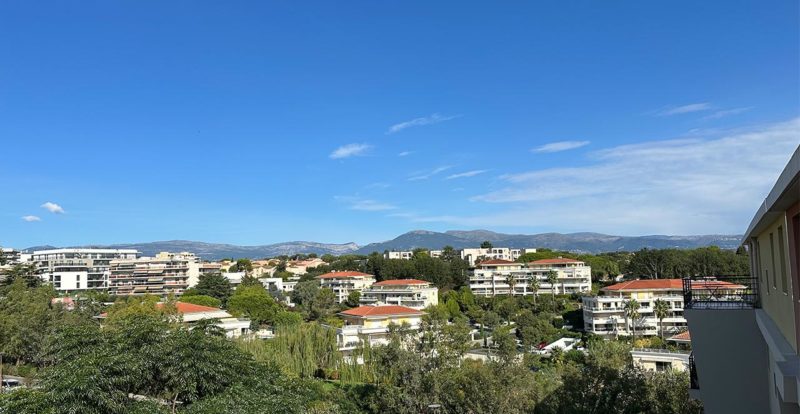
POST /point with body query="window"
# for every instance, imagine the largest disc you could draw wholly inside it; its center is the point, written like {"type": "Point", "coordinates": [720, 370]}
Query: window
{"type": "Point", "coordinates": [772, 257]}
{"type": "Point", "coordinates": [77, 285]}
{"type": "Point", "coordinates": [782, 258]}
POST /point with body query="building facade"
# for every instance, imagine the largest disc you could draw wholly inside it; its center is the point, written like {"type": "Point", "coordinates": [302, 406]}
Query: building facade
{"type": "Point", "coordinates": [370, 324]}
{"type": "Point", "coordinates": [344, 283]}
{"type": "Point", "coordinates": [166, 273]}
{"type": "Point", "coordinates": [412, 293]}
{"type": "Point", "coordinates": [73, 270]}
{"type": "Point", "coordinates": [504, 277]}
{"type": "Point", "coordinates": [472, 256]}
{"type": "Point", "coordinates": [759, 328]}
{"type": "Point", "coordinates": [404, 255]}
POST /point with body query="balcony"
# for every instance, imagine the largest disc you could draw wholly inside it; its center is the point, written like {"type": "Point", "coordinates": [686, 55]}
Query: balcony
{"type": "Point", "coordinates": [723, 292]}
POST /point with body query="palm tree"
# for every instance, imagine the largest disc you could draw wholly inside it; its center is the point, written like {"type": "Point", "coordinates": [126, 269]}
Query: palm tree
{"type": "Point", "coordinates": [552, 279]}
{"type": "Point", "coordinates": [533, 285]}
{"type": "Point", "coordinates": [661, 310]}
{"type": "Point", "coordinates": [511, 283]}
{"type": "Point", "coordinates": [632, 313]}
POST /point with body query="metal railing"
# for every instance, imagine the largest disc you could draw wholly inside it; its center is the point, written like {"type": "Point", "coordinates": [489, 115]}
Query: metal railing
{"type": "Point", "coordinates": [694, 383]}
{"type": "Point", "coordinates": [721, 292]}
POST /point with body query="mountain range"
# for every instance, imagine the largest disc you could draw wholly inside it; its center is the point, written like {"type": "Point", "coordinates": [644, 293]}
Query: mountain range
{"type": "Point", "coordinates": [459, 239]}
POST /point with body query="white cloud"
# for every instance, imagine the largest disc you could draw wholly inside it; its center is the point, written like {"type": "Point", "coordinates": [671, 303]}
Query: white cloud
{"type": "Point", "coordinates": [362, 204]}
{"type": "Point", "coordinates": [53, 208]}
{"type": "Point", "coordinates": [698, 185]}
{"type": "Point", "coordinates": [425, 120]}
{"type": "Point", "coordinates": [465, 174]}
{"type": "Point", "coordinates": [31, 218]}
{"type": "Point", "coordinates": [349, 150]}
{"type": "Point", "coordinates": [560, 146]}
{"type": "Point", "coordinates": [685, 109]}
{"type": "Point", "coordinates": [428, 174]}
{"type": "Point", "coordinates": [405, 153]}
{"type": "Point", "coordinates": [727, 112]}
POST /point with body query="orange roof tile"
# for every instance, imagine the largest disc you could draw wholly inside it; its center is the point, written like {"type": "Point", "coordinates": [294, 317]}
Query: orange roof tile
{"type": "Point", "coordinates": [335, 275]}
{"type": "Point", "coordinates": [184, 308]}
{"type": "Point", "coordinates": [670, 284]}
{"type": "Point", "coordinates": [387, 310]}
{"type": "Point", "coordinates": [401, 282]}
{"type": "Point", "coordinates": [683, 336]}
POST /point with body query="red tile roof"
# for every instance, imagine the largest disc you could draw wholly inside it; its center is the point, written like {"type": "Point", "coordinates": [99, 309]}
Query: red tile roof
{"type": "Point", "coordinates": [496, 262]}
{"type": "Point", "coordinates": [335, 275]}
{"type": "Point", "coordinates": [185, 308]}
{"type": "Point", "coordinates": [670, 284]}
{"type": "Point", "coordinates": [388, 310]}
{"type": "Point", "coordinates": [401, 282]}
{"type": "Point", "coordinates": [684, 336]}
{"type": "Point", "coordinates": [559, 260]}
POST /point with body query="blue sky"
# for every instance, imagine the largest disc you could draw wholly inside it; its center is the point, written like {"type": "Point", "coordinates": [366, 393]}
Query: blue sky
{"type": "Point", "coordinates": [259, 122]}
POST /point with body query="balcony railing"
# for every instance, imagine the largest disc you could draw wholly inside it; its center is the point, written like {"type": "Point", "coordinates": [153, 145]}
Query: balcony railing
{"type": "Point", "coordinates": [721, 292]}
{"type": "Point", "coordinates": [694, 384]}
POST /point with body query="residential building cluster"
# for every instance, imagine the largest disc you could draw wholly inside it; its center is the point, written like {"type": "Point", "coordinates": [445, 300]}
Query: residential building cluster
{"type": "Point", "coordinates": [471, 255]}
{"type": "Point", "coordinates": [504, 277]}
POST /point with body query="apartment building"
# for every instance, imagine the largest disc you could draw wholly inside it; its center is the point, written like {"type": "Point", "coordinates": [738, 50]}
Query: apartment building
{"type": "Point", "coordinates": [300, 267]}
{"type": "Point", "coordinates": [604, 314]}
{"type": "Point", "coordinates": [166, 273]}
{"type": "Point", "coordinates": [745, 347]}
{"type": "Point", "coordinates": [71, 270]}
{"type": "Point", "coordinates": [404, 255]}
{"type": "Point", "coordinates": [370, 324]}
{"type": "Point", "coordinates": [504, 277]}
{"type": "Point", "coordinates": [343, 283]}
{"type": "Point", "coordinates": [412, 293]}
{"type": "Point", "coordinates": [659, 360]}
{"type": "Point", "coordinates": [496, 253]}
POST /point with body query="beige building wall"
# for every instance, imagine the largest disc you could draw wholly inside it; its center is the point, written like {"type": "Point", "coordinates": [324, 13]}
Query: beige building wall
{"type": "Point", "coordinates": [772, 260]}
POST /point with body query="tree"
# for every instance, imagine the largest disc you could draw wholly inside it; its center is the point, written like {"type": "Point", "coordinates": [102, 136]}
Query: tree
{"type": "Point", "coordinates": [486, 245]}
{"type": "Point", "coordinates": [24, 272]}
{"type": "Point", "coordinates": [353, 299]}
{"type": "Point", "coordinates": [661, 310]}
{"type": "Point", "coordinates": [242, 265]}
{"type": "Point", "coordinates": [552, 279]}
{"type": "Point", "coordinates": [511, 281]}
{"type": "Point", "coordinates": [533, 285]}
{"type": "Point", "coordinates": [214, 285]}
{"type": "Point", "coordinates": [248, 280]}
{"type": "Point", "coordinates": [631, 309]}
{"type": "Point", "coordinates": [255, 303]}
{"type": "Point", "coordinates": [202, 300]}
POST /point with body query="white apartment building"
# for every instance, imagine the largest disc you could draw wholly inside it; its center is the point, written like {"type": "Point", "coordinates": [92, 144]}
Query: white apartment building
{"type": "Point", "coordinates": [496, 277]}
{"type": "Point", "coordinates": [404, 255]}
{"type": "Point", "coordinates": [412, 293]}
{"type": "Point", "coordinates": [493, 253]}
{"type": "Point", "coordinates": [78, 269]}
{"type": "Point", "coordinates": [276, 284]}
{"type": "Point", "coordinates": [343, 283]}
{"type": "Point", "coordinates": [370, 324]}
{"type": "Point", "coordinates": [605, 314]}
{"type": "Point", "coordinates": [233, 327]}
{"type": "Point", "coordinates": [659, 360]}
{"type": "Point", "coordinates": [166, 273]}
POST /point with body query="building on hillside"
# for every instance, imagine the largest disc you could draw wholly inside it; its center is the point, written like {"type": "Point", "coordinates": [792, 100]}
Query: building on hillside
{"type": "Point", "coordinates": [745, 345]}
{"type": "Point", "coordinates": [370, 324]}
{"type": "Point", "coordinates": [72, 270]}
{"type": "Point", "coordinates": [412, 293]}
{"type": "Point", "coordinates": [403, 255]}
{"type": "Point", "coordinates": [604, 314]}
{"type": "Point", "coordinates": [301, 267]}
{"type": "Point", "coordinates": [497, 253]}
{"type": "Point", "coordinates": [660, 360]}
{"type": "Point", "coordinates": [496, 277]}
{"type": "Point", "coordinates": [235, 278]}
{"type": "Point", "coordinates": [285, 287]}
{"type": "Point", "coordinates": [166, 273]}
{"type": "Point", "coordinates": [343, 283]}
{"type": "Point", "coordinates": [191, 314]}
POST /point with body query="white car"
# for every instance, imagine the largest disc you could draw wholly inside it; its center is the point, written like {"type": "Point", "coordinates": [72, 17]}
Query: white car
{"type": "Point", "coordinates": [10, 385]}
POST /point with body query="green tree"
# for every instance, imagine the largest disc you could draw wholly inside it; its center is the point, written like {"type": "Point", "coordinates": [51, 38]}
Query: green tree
{"type": "Point", "coordinates": [202, 300]}
{"type": "Point", "coordinates": [533, 286]}
{"type": "Point", "coordinates": [486, 245]}
{"type": "Point", "coordinates": [255, 303]}
{"type": "Point", "coordinates": [242, 265]}
{"type": "Point", "coordinates": [631, 309]}
{"type": "Point", "coordinates": [552, 279]}
{"type": "Point", "coordinates": [214, 285]}
{"type": "Point", "coordinates": [353, 299]}
{"type": "Point", "coordinates": [661, 310]}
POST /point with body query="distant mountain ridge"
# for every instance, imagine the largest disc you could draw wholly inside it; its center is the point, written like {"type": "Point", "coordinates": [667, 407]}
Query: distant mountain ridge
{"type": "Point", "coordinates": [575, 242]}
{"type": "Point", "coordinates": [459, 239]}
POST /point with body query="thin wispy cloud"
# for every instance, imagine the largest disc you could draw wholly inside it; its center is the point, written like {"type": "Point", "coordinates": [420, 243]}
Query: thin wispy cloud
{"type": "Point", "coordinates": [465, 174]}
{"type": "Point", "coordinates": [53, 208]}
{"type": "Point", "coordinates": [350, 150]}
{"type": "Point", "coordinates": [426, 175]}
{"type": "Point", "coordinates": [405, 153]}
{"type": "Point", "coordinates": [685, 109]}
{"type": "Point", "coordinates": [560, 146]}
{"type": "Point", "coordinates": [364, 204]}
{"type": "Point", "coordinates": [727, 112]}
{"type": "Point", "coordinates": [30, 219]}
{"type": "Point", "coordinates": [680, 186]}
{"type": "Point", "coordinates": [425, 120]}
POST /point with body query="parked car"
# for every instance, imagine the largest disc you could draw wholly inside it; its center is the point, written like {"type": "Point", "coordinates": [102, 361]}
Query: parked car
{"type": "Point", "coordinates": [10, 385]}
